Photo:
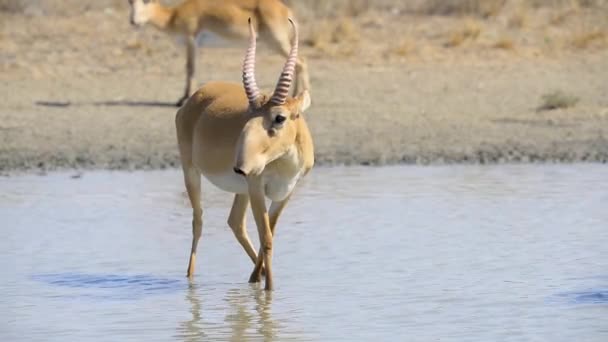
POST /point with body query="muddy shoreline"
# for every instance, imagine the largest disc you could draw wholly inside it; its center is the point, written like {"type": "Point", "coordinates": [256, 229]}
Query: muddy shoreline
{"type": "Point", "coordinates": [433, 115]}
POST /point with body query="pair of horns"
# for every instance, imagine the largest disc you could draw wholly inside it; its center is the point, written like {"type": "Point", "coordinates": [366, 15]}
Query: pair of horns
{"type": "Point", "coordinates": [282, 89]}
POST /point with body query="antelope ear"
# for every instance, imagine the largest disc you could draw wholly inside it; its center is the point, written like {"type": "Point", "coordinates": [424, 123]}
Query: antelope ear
{"type": "Point", "coordinates": [304, 100]}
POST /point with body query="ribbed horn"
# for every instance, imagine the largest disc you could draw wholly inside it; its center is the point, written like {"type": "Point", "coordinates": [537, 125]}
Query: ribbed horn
{"type": "Point", "coordinates": [282, 89]}
{"type": "Point", "coordinates": [251, 87]}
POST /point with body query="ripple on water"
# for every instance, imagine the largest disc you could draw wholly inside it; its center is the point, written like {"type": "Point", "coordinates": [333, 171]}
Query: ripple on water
{"type": "Point", "coordinates": [587, 297]}
{"type": "Point", "coordinates": [109, 286]}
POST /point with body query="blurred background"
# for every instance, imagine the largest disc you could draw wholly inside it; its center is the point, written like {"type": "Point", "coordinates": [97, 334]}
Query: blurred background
{"type": "Point", "coordinates": [424, 81]}
{"type": "Point", "coordinates": [359, 29]}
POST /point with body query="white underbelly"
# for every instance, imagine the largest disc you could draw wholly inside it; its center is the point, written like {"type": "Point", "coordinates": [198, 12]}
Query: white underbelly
{"type": "Point", "coordinates": [277, 187]}
{"type": "Point", "coordinates": [230, 182]}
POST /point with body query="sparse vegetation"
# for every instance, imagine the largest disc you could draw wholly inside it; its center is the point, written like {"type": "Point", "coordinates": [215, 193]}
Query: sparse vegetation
{"type": "Point", "coordinates": [556, 100]}
{"type": "Point", "coordinates": [334, 8]}
{"type": "Point", "coordinates": [519, 19]}
{"type": "Point", "coordinates": [562, 3]}
{"type": "Point", "coordinates": [320, 36]}
{"type": "Point", "coordinates": [587, 39]}
{"type": "Point", "coordinates": [342, 32]}
{"type": "Point", "coordinates": [345, 30]}
{"type": "Point", "coordinates": [59, 7]}
{"type": "Point", "coordinates": [470, 30]}
{"type": "Point", "coordinates": [402, 27]}
{"type": "Point", "coordinates": [561, 17]}
{"type": "Point", "coordinates": [406, 47]}
{"type": "Point", "coordinates": [12, 6]}
{"type": "Point", "coordinates": [504, 43]}
{"type": "Point", "coordinates": [481, 8]}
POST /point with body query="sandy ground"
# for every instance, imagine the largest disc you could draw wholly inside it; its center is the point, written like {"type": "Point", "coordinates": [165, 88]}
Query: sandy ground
{"type": "Point", "coordinates": [91, 92]}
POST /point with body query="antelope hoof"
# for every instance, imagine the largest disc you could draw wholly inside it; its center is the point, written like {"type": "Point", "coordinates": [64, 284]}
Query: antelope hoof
{"type": "Point", "coordinates": [255, 277]}
{"type": "Point", "coordinates": [190, 273]}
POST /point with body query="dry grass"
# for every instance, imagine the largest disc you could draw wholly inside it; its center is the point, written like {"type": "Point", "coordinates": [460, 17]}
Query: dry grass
{"type": "Point", "coordinates": [556, 100]}
{"type": "Point", "coordinates": [567, 3]}
{"type": "Point", "coordinates": [588, 39]}
{"type": "Point", "coordinates": [519, 19]}
{"type": "Point", "coordinates": [346, 31]}
{"type": "Point", "coordinates": [345, 26]}
{"type": "Point", "coordinates": [335, 38]}
{"type": "Point", "coordinates": [405, 47]}
{"type": "Point", "coordinates": [562, 16]}
{"type": "Point", "coordinates": [328, 32]}
{"type": "Point", "coordinates": [481, 8]}
{"type": "Point", "coordinates": [320, 36]}
{"type": "Point", "coordinates": [61, 7]}
{"type": "Point", "coordinates": [315, 9]}
{"type": "Point", "coordinates": [138, 45]}
{"type": "Point", "coordinates": [134, 45]}
{"type": "Point", "coordinates": [470, 31]}
{"type": "Point", "coordinates": [504, 43]}
{"type": "Point", "coordinates": [12, 6]}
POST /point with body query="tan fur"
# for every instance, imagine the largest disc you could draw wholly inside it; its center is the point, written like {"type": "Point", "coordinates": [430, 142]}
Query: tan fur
{"type": "Point", "coordinates": [219, 133]}
{"type": "Point", "coordinates": [226, 18]}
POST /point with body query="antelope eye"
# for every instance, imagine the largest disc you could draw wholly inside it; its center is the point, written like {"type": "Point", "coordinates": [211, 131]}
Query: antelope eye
{"type": "Point", "coordinates": [279, 119]}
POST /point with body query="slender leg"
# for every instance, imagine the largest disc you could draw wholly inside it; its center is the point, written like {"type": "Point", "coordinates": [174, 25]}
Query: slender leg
{"type": "Point", "coordinates": [236, 221]}
{"type": "Point", "coordinates": [276, 208]}
{"type": "Point", "coordinates": [193, 185]}
{"type": "Point", "coordinates": [190, 65]}
{"type": "Point", "coordinates": [258, 206]}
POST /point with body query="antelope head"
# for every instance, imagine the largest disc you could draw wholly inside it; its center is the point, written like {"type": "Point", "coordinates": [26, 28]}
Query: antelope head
{"type": "Point", "coordinates": [272, 128]}
{"type": "Point", "coordinates": [141, 11]}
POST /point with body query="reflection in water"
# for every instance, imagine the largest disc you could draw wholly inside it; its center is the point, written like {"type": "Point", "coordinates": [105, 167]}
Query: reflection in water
{"type": "Point", "coordinates": [243, 316]}
{"type": "Point", "coordinates": [248, 315]}
{"type": "Point", "coordinates": [268, 327]}
{"type": "Point", "coordinates": [431, 253]}
{"type": "Point", "coordinates": [588, 297]}
{"type": "Point", "coordinates": [238, 319]}
{"type": "Point", "coordinates": [192, 330]}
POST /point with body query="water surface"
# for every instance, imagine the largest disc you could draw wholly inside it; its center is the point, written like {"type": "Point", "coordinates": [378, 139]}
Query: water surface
{"type": "Point", "coordinates": [458, 253]}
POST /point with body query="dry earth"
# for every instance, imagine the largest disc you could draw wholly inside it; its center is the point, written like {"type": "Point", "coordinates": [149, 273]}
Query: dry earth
{"type": "Point", "coordinates": [89, 91]}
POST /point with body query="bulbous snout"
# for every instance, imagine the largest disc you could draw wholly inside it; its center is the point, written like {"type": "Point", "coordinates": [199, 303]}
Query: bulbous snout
{"type": "Point", "coordinates": [251, 149]}
{"type": "Point", "coordinates": [240, 171]}
{"type": "Point", "coordinates": [250, 166]}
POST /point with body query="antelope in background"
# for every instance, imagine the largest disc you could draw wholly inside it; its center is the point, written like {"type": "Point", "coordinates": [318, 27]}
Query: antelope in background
{"type": "Point", "coordinates": [246, 143]}
{"type": "Point", "coordinates": [226, 18]}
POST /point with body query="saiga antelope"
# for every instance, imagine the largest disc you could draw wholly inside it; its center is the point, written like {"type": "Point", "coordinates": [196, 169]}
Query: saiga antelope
{"type": "Point", "coordinates": [249, 144]}
{"type": "Point", "coordinates": [226, 18]}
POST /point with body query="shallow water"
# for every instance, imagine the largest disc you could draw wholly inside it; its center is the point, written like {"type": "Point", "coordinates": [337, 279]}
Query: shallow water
{"type": "Point", "coordinates": [395, 253]}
